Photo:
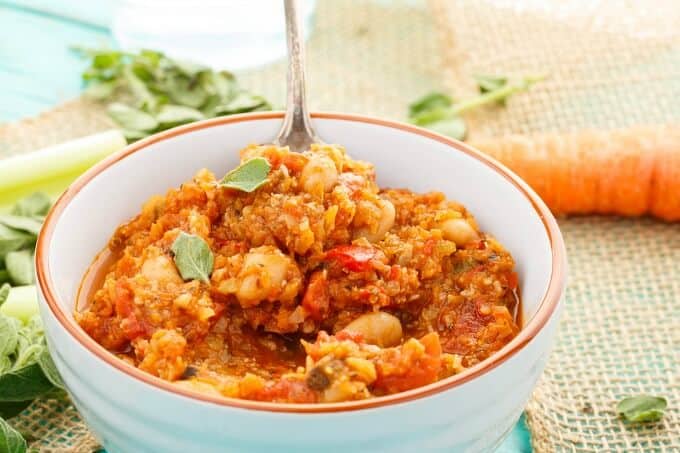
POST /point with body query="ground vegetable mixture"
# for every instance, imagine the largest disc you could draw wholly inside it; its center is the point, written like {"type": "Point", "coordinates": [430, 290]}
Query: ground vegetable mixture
{"type": "Point", "coordinates": [318, 286]}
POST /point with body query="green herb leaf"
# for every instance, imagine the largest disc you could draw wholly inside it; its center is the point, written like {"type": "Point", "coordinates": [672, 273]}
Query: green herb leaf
{"type": "Point", "coordinates": [27, 224]}
{"type": "Point", "coordinates": [184, 91]}
{"type": "Point", "coordinates": [189, 68]}
{"type": "Point", "coordinates": [9, 335]}
{"type": "Point", "coordinates": [131, 118]}
{"type": "Point", "coordinates": [453, 127]}
{"type": "Point", "coordinates": [100, 90]}
{"type": "Point", "coordinates": [438, 112]}
{"type": "Point", "coordinates": [248, 176]}
{"type": "Point", "coordinates": [26, 383]}
{"type": "Point", "coordinates": [143, 96]}
{"type": "Point", "coordinates": [49, 369]}
{"type": "Point", "coordinates": [242, 103]}
{"type": "Point", "coordinates": [35, 204]}
{"type": "Point", "coordinates": [132, 135]}
{"type": "Point", "coordinates": [20, 267]}
{"type": "Point", "coordinates": [193, 257]}
{"type": "Point", "coordinates": [11, 441]}
{"type": "Point", "coordinates": [174, 115]}
{"type": "Point", "coordinates": [430, 102]}
{"type": "Point", "coordinates": [642, 408]}
{"type": "Point", "coordinates": [487, 83]}
{"type": "Point", "coordinates": [11, 239]}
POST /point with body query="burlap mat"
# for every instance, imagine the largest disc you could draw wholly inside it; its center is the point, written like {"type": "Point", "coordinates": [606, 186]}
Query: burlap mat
{"type": "Point", "coordinates": [620, 331]}
{"type": "Point", "coordinates": [610, 64]}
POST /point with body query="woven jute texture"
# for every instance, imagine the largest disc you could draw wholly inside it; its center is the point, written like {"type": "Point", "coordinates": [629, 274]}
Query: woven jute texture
{"type": "Point", "coordinates": [610, 64]}
{"type": "Point", "coordinates": [620, 331]}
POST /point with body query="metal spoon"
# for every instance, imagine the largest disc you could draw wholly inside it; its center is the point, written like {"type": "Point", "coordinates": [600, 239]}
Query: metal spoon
{"type": "Point", "coordinates": [297, 131]}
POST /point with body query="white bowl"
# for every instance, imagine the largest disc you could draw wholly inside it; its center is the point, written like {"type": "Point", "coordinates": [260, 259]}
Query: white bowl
{"type": "Point", "coordinates": [131, 411]}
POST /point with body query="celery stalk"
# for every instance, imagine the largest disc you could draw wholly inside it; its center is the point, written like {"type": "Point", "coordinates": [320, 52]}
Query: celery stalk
{"type": "Point", "coordinates": [22, 303]}
{"type": "Point", "coordinates": [51, 169]}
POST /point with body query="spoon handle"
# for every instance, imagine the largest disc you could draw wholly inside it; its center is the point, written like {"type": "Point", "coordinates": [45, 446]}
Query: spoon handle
{"type": "Point", "coordinates": [296, 131]}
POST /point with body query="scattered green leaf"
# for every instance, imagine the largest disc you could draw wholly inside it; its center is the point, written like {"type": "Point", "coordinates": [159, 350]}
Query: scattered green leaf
{"type": "Point", "coordinates": [148, 81]}
{"type": "Point", "coordinates": [22, 223]}
{"type": "Point", "coordinates": [36, 204]}
{"type": "Point", "coordinates": [430, 102]}
{"type": "Point", "coordinates": [453, 127]}
{"type": "Point", "coordinates": [11, 240]}
{"type": "Point", "coordinates": [193, 257]}
{"type": "Point", "coordinates": [642, 408]}
{"type": "Point", "coordinates": [248, 176]}
{"type": "Point", "coordinates": [438, 112]}
{"type": "Point", "coordinates": [173, 115]}
{"type": "Point", "coordinates": [131, 118]}
{"type": "Point", "coordinates": [20, 267]}
{"type": "Point", "coordinates": [49, 369]}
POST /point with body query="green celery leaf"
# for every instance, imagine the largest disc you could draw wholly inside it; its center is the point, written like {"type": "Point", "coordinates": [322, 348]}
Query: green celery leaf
{"type": "Point", "coordinates": [193, 257]}
{"type": "Point", "coordinates": [248, 176]}
{"type": "Point", "coordinates": [642, 408]}
{"type": "Point", "coordinates": [11, 441]}
{"type": "Point", "coordinates": [131, 118]}
{"type": "Point", "coordinates": [20, 267]}
{"type": "Point", "coordinates": [38, 203]}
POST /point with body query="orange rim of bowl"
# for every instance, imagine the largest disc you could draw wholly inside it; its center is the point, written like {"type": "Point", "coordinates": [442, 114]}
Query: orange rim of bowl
{"type": "Point", "coordinates": [545, 310]}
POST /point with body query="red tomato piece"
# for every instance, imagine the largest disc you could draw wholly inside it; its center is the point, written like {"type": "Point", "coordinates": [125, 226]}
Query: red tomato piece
{"type": "Point", "coordinates": [354, 258]}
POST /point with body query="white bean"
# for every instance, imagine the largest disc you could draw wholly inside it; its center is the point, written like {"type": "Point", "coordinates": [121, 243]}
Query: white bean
{"type": "Point", "coordinates": [263, 273]}
{"type": "Point", "coordinates": [459, 231]}
{"type": "Point", "coordinates": [378, 328]}
{"type": "Point", "coordinates": [385, 223]}
{"type": "Point", "coordinates": [319, 175]}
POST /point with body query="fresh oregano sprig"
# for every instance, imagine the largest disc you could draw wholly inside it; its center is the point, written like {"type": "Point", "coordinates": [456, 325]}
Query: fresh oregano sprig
{"type": "Point", "coordinates": [439, 112]}
{"type": "Point", "coordinates": [148, 92]}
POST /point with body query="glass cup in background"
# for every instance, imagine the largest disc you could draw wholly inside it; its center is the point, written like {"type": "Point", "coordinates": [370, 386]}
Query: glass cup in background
{"type": "Point", "coordinates": [233, 35]}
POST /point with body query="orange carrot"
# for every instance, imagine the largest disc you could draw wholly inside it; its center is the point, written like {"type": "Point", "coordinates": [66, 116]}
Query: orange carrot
{"type": "Point", "coordinates": [630, 172]}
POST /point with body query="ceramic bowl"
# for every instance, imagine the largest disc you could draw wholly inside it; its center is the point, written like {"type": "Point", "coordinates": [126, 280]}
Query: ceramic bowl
{"type": "Point", "coordinates": [131, 411]}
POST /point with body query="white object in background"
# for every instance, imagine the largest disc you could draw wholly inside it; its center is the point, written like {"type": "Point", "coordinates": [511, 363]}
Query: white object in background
{"type": "Point", "coordinates": [234, 35]}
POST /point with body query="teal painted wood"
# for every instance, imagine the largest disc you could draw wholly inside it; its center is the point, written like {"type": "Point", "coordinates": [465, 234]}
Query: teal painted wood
{"type": "Point", "coordinates": [38, 71]}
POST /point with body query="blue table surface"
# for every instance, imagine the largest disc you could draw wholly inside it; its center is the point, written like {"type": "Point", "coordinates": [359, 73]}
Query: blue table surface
{"type": "Point", "coordinates": [38, 71]}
